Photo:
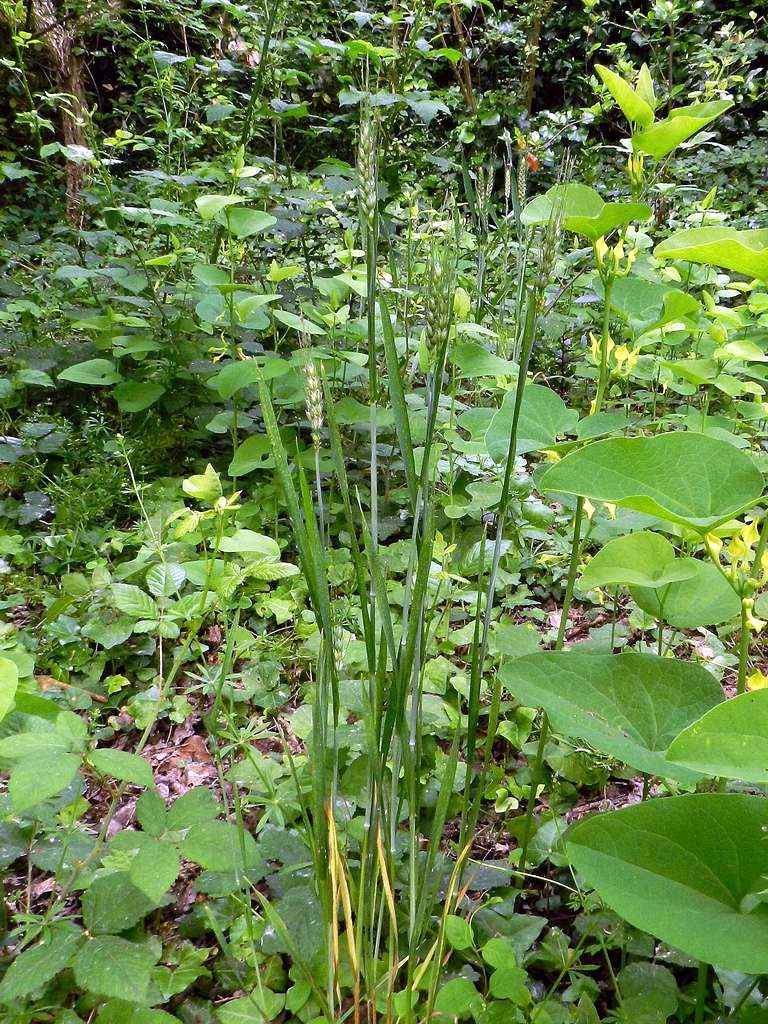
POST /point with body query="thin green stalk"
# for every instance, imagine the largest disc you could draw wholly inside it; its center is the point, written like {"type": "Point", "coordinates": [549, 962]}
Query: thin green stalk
{"type": "Point", "coordinates": [701, 992]}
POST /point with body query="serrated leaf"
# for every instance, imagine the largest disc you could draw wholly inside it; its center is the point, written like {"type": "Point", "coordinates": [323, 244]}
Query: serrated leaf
{"type": "Point", "coordinates": [112, 903]}
{"type": "Point", "coordinates": [218, 846]}
{"type": "Point", "coordinates": [133, 601]}
{"type": "Point", "coordinates": [248, 542]}
{"type": "Point", "coordinates": [154, 869]}
{"type": "Point", "coordinates": [123, 766]}
{"type": "Point", "coordinates": [41, 776]}
{"type": "Point", "coordinates": [166, 579]}
{"type": "Point", "coordinates": [37, 965]}
{"type": "Point", "coordinates": [111, 966]}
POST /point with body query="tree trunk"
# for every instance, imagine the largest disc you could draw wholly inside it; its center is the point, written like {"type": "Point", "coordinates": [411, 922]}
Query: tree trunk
{"type": "Point", "coordinates": [59, 41]}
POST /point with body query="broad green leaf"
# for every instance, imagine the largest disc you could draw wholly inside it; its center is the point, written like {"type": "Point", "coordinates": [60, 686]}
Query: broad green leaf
{"type": "Point", "coordinates": [642, 558]}
{"type": "Point", "coordinates": [194, 807]}
{"type": "Point", "coordinates": [137, 395]}
{"type": "Point", "coordinates": [9, 681]}
{"type": "Point", "coordinates": [582, 211]}
{"type": "Point", "coordinates": [113, 967]}
{"type": "Point", "coordinates": [243, 222]}
{"type": "Point", "coordinates": [730, 741]}
{"type": "Point", "coordinates": [458, 931]}
{"type": "Point", "coordinates": [644, 87]}
{"type": "Point", "coordinates": [297, 322]}
{"type": "Point", "coordinates": [38, 964]}
{"type": "Point", "coordinates": [203, 486]}
{"type": "Point", "coordinates": [112, 903]}
{"type": "Point", "coordinates": [154, 869]}
{"type": "Point", "coordinates": [509, 982]}
{"type": "Point", "coordinates": [704, 599]}
{"type": "Point", "coordinates": [474, 360]}
{"type": "Point", "coordinates": [209, 206]}
{"type": "Point", "coordinates": [254, 453]}
{"type": "Point", "coordinates": [458, 999]}
{"type": "Point", "coordinates": [544, 416]}
{"type": "Point", "coordinates": [682, 477]}
{"type": "Point", "coordinates": [218, 846]}
{"type": "Point", "coordinates": [133, 601]}
{"type": "Point", "coordinates": [248, 542]}
{"type": "Point", "coordinates": [744, 252]}
{"type": "Point", "coordinates": [686, 869]}
{"type": "Point", "coordinates": [122, 765]}
{"type": "Point", "coordinates": [244, 374]}
{"type": "Point", "coordinates": [41, 776]}
{"type": "Point", "coordinates": [629, 706]}
{"type": "Point", "coordinates": [636, 109]}
{"type": "Point", "coordinates": [165, 579]}
{"type": "Point", "coordinates": [96, 372]}
{"type": "Point", "coordinates": [663, 136]}
{"type": "Point", "coordinates": [256, 1008]}
{"type": "Point", "coordinates": [118, 1011]}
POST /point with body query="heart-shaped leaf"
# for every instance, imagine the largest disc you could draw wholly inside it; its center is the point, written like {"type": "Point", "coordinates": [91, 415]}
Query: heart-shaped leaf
{"type": "Point", "coordinates": [629, 706]}
{"type": "Point", "coordinates": [744, 252]}
{"type": "Point", "coordinates": [96, 372]}
{"type": "Point", "coordinates": [581, 210]}
{"type": "Point", "coordinates": [686, 869]}
{"type": "Point", "coordinates": [544, 416]}
{"type": "Point", "coordinates": [662, 137]}
{"type": "Point", "coordinates": [137, 395]}
{"type": "Point", "coordinates": [705, 598]}
{"type": "Point", "coordinates": [682, 477]}
{"type": "Point", "coordinates": [243, 222]}
{"type": "Point", "coordinates": [642, 558]}
{"type": "Point", "coordinates": [730, 741]}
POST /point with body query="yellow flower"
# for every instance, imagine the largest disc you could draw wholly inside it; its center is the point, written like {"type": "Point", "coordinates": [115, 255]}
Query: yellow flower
{"type": "Point", "coordinates": [754, 625]}
{"type": "Point", "coordinates": [589, 508]}
{"type": "Point", "coordinates": [714, 546]}
{"type": "Point", "coordinates": [750, 534]}
{"type": "Point", "coordinates": [738, 550]}
{"type": "Point", "coordinates": [757, 681]}
{"type": "Point", "coordinates": [610, 509]}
